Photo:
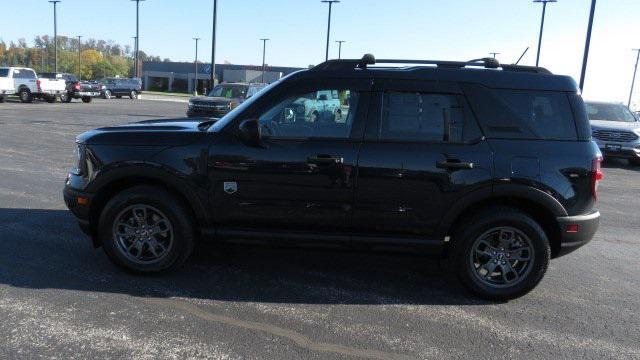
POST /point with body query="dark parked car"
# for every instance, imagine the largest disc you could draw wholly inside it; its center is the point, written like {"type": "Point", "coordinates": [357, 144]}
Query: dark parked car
{"type": "Point", "coordinates": [119, 87]}
{"type": "Point", "coordinates": [85, 90]}
{"type": "Point", "coordinates": [489, 166]}
{"type": "Point", "coordinates": [222, 99]}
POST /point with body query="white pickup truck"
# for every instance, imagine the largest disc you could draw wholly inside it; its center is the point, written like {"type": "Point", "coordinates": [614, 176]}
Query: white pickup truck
{"type": "Point", "coordinates": [25, 83]}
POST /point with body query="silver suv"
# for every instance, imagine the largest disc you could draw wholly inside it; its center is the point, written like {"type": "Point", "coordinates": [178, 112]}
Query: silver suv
{"type": "Point", "coordinates": [615, 129]}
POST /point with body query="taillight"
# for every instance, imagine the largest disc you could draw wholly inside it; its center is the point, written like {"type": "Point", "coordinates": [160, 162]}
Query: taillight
{"type": "Point", "coordinates": [596, 176]}
{"type": "Point", "coordinates": [38, 85]}
{"type": "Point", "coordinates": [77, 86]}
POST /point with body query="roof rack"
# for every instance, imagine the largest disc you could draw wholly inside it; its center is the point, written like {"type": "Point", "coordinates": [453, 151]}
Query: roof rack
{"type": "Point", "coordinates": [368, 59]}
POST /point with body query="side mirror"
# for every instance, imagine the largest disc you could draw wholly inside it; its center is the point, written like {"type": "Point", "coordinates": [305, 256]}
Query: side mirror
{"type": "Point", "coordinates": [249, 132]}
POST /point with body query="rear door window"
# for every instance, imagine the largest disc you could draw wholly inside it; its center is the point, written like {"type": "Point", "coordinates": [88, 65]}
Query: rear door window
{"type": "Point", "coordinates": [522, 114]}
{"type": "Point", "coordinates": [424, 117]}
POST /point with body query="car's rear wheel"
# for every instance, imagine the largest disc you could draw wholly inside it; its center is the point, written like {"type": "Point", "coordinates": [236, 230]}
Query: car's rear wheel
{"type": "Point", "coordinates": [501, 253]}
{"type": "Point", "coordinates": [65, 97]}
{"type": "Point", "coordinates": [133, 94]}
{"type": "Point", "coordinates": [86, 99]}
{"type": "Point", "coordinates": [25, 95]}
{"type": "Point", "coordinates": [146, 229]}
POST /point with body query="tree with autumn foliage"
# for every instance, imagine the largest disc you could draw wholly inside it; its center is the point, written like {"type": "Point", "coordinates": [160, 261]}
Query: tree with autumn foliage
{"type": "Point", "coordinates": [98, 58]}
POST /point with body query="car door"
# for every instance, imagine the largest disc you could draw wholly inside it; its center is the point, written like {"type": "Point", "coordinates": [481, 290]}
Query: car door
{"type": "Point", "coordinates": [422, 152]}
{"type": "Point", "coordinates": [301, 178]}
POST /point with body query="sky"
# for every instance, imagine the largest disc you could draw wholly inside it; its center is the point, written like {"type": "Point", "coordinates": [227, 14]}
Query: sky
{"type": "Point", "coordinates": [407, 29]}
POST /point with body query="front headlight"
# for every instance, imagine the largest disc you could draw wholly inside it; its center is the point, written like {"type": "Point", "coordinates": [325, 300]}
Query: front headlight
{"type": "Point", "coordinates": [190, 103]}
{"type": "Point", "coordinates": [79, 159]}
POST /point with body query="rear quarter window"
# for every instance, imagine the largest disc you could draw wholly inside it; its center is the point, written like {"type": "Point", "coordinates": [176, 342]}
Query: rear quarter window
{"type": "Point", "coordinates": [522, 114]}
{"type": "Point", "coordinates": [4, 72]}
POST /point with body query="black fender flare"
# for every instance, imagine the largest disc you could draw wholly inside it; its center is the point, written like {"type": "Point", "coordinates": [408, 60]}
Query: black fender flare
{"type": "Point", "coordinates": [195, 197]}
{"type": "Point", "coordinates": [498, 191]}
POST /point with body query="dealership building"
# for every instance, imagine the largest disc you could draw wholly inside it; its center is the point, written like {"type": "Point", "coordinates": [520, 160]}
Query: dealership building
{"type": "Point", "coordinates": [181, 76]}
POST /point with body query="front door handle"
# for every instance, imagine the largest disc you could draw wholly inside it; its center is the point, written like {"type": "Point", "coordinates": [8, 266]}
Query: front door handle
{"type": "Point", "coordinates": [454, 164]}
{"type": "Point", "coordinates": [324, 160]}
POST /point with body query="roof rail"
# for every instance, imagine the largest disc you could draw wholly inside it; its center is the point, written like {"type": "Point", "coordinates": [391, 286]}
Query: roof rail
{"type": "Point", "coordinates": [368, 59]}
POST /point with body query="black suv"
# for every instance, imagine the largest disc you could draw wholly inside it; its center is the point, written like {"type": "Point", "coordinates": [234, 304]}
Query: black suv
{"type": "Point", "coordinates": [119, 87]}
{"type": "Point", "coordinates": [489, 166]}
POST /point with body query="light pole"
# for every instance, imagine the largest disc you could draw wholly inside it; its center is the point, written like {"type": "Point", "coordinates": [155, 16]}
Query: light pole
{"type": "Point", "coordinates": [135, 56]}
{"type": "Point", "coordinates": [340, 47]}
{"type": "Point", "coordinates": [213, 44]}
{"type": "Point", "coordinates": [137, 34]}
{"type": "Point", "coordinates": [264, 49]}
{"type": "Point", "coordinates": [330, 2]}
{"type": "Point", "coordinates": [494, 54]}
{"type": "Point", "coordinates": [55, 35]}
{"type": "Point", "coordinates": [587, 44]}
{"type": "Point", "coordinates": [633, 80]}
{"type": "Point", "coordinates": [195, 86]}
{"type": "Point", "coordinates": [79, 50]}
{"type": "Point", "coordinates": [544, 9]}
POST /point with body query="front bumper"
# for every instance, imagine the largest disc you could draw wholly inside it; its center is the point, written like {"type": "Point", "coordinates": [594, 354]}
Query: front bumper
{"type": "Point", "coordinates": [576, 231]}
{"type": "Point", "coordinates": [79, 208]}
{"type": "Point", "coordinates": [627, 150]}
{"type": "Point", "coordinates": [195, 112]}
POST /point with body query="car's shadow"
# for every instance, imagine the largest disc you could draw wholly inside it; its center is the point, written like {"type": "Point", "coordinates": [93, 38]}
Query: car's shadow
{"type": "Point", "coordinates": [45, 249]}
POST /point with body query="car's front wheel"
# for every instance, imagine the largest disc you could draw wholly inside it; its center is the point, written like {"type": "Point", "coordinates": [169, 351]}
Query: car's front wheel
{"type": "Point", "coordinates": [133, 94]}
{"type": "Point", "coordinates": [146, 229]}
{"type": "Point", "coordinates": [86, 99]}
{"type": "Point", "coordinates": [501, 253]}
{"type": "Point", "coordinates": [106, 94]}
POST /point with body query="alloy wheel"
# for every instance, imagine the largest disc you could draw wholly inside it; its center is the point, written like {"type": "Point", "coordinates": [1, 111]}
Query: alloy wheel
{"type": "Point", "coordinates": [501, 257]}
{"type": "Point", "coordinates": [143, 234]}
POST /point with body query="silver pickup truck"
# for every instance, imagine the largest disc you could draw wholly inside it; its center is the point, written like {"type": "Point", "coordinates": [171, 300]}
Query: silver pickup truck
{"type": "Point", "coordinates": [615, 129]}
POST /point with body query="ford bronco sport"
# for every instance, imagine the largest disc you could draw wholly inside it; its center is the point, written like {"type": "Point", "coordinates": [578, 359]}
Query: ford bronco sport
{"type": "Point", "coordinates": [489, 166]}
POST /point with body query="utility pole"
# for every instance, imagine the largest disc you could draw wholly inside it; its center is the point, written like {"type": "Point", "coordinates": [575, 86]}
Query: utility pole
{"type": "Point", "coordinates": [494, 54]}
{"type": "Point", "coordinates": [79, 50]}
{"type": "Point", "coordinates": [587, 44]}
{"type": "Point", "coordinates": [55, 35]}
{"type": "Point", "coordinates": [264, 48]}
{"type": "Point", "coordinates": [135, 55]}
{"type": "Point", "coordinates": [340, 47]}
{"type": "Point", "coordinates": [633, 80]}
{"type": "Point", "coordinates": [544, 9]}
{"type": "Point", "coordinates": [213, 44]}
{"type": "Point", "coordinates": [137, 35]}
{"type": "Point", "coordinates": [330, 2]}
{"type": "Point", "coordinates": [195, 87]}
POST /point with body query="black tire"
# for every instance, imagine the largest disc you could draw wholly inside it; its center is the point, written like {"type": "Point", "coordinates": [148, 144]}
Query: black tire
{"type": "Point", "coordinates": [485, 221]}
{"type": "Point", "coordinates": [133, 95]}
{"type": "Point", "coordinates": [170, 207]}
{"type": "Point", "coordinates": [50, 99]}
{"type": "Point", "coordinates": [106, 94]}
{"type": "Point", "coordinates": [86, 99]}
{"type": "Point", "coordinates": [1, 99]}
{"type": "Point", "coordinates": [25, 95]}
{"type": "Point", "coordinates": [65, 97]}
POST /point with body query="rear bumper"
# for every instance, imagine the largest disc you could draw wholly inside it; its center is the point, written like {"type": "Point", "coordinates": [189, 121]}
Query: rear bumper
{"type": "Point", "coordinates": [576, 231]}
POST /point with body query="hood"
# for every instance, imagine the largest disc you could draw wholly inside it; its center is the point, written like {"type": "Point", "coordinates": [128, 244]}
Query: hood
{"type": "Point", "coordinates": [210, 99]}
{"type": "Point", "coordinates": [616, 125]}
{"type": "Point", "coordinates": [169, 132]}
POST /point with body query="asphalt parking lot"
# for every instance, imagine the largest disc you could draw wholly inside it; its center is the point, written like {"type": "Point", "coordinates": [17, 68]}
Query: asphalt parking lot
{"type": "Point", "coordinates": [60, 297]}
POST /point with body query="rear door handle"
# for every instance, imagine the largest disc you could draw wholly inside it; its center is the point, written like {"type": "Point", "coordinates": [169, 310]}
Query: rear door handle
{"type": "Point", "coordinates": [454, 164]}
{"type": "Point", "coordinates": [322, 159]}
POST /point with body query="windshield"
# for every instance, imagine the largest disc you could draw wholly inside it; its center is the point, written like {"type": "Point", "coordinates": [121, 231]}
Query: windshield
{"type": "Point", "coordinates": [609, 112]}
{"type": "Point", "coordinates": [229, 91]}
{"type": "Point", "coordinates": [232, 114]}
